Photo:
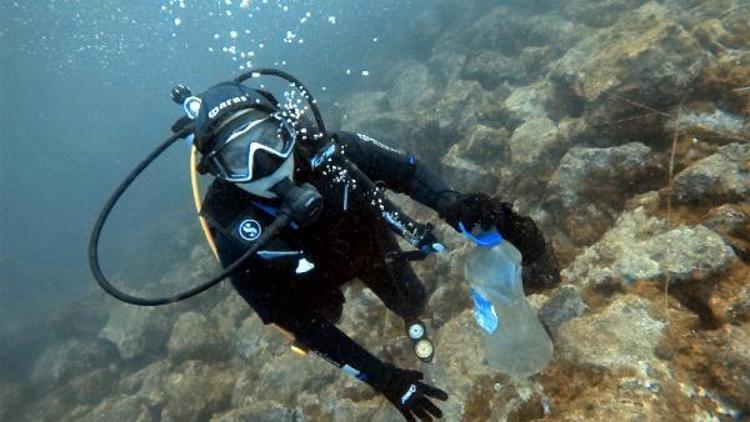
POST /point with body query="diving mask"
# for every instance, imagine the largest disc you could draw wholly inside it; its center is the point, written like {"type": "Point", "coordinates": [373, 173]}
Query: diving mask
{"type": "Point", "coordinates": [254, 149]}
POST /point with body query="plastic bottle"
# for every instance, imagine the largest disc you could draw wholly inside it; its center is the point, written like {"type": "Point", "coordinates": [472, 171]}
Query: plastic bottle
{"type": "Point", "coordinates": [515, 341]}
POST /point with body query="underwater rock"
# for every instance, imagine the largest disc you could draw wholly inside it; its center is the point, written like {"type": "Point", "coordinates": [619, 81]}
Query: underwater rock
{"type": "Point", "coordinates": [257, 343]}
{"type": "Point", "coordinates": [364, 315]}
{"type": "Point", "coordinates": [528, 102]}
{"type": "Point", "coordinates": [737, 363]}
{"type": "Point", "coordinates": [565, 304]}
{"type": "Point", "coordinates": [244, 387]}
{"type": "Point", "coordinates": [120, 408]}
{"type": "Point", "coordinates": [719, 178]}
{"type": "Point", "coordinates": [587, 190]}
{"type": "Point", "coordinates": [623, 335]}
{"type": "Point", "coordinates": [645, 57]}
{"type": "Point", "coordinates": [369, 112]}
{"type": "Point", "coordinates": [147, 383]}
{"type": "Point", "coordinates": [345, 410]}
{"type": "Point", "coordinates": [229, 314]}
{"type": "Point", "coordinates": [136, 331]}
{"type": "Point", "coordinates": [706, 122]}
{"type": "Point", "coordinates": [282, 378]}
{"type": "Point", "coordinates": [62, 360]}
{"type": "Point", "coordinates": [93, 387]}
{"type": "Point", "coordinates": [486, 145]}
{"type": "Point", "coordinates": [194, 337]}
{"type": "Point", "coordinates": [628, 399]}
{"type": "Point", "coordinates": [52, 406]}
{"type": "Point", "coordinates": [726, 80]}
{"type": "Point", "coordinates": [459, 363]}
{"type": "Point", "coordinates": [413, 86]}
{"type": "Point", "coordinates": [508, 30]}
{"type": "Point", "coordinates": [734, 308]}
{"type": "Point", "coordinates": [731, 369]}
{"type": "Point", "coordinates": [733, 223]}
{"type": "Point", "coordinates": [492, 69]}
{"type": "Point", "coordinates": [533, 142]}
{"type": "Point", "coordinates": [597, 14]}
{"type": "Point", "coordinates": [261, 411]}
{"type": "Point", "coordinates": [449, 300]}
{"type": "Point", "coordinates": [723, 28]}
{"type": "Point", "coordinates": [552, 31]}
{"type": "Point", "coordinates": [583, 171]}
{"type": "Point", "coordinates": [363, 106]}
{"type": "Point", "coordinates": [495, 30]}
{"type": "Point", "coordinates": [448, 59]}
{"type": "Point", "coordinates": [457, 112]}
{"type": "Point", "coordinates": [729, 219]}
{"type": "Point", "coordinates": [195, 391]}
{"type": "Point", "coordinates": [469, 164]}
{"type": "Point", "coordinates": [192, 391]}
{"type": "Point", "coordinates": [536, 60]}
{"type": "Point", "coordinates": [639, 247]}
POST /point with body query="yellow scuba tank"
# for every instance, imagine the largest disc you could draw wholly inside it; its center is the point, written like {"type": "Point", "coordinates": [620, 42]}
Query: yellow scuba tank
{"type": "Point", "coordinates": [197, 199]}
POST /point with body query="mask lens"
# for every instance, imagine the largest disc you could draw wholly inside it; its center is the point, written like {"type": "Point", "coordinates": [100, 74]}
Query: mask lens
{"type": "Point", "coordinates": [265, 163]}
{"type": "Point", "coordinates": [256, 148]}
{"type": "Point", "coordinates": [234, 158]}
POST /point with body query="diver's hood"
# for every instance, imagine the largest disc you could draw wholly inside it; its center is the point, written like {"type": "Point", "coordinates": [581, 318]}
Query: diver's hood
{"type": "Point", "coordinates": [223, 100]}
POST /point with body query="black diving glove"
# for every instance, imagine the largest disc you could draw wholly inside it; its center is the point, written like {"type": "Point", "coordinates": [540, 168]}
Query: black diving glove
{"type": "Point", "coordinates": [475, 210]}
{"type": "Point", "coordinates": [412, 397]}
{"type": "Point", "coordinates": [540, 266]}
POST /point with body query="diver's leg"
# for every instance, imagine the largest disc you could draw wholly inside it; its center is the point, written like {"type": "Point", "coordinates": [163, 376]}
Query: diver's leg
{"type": "Point", "coordinates": [396, 284]}
{"type": "Point", "coordinates": [394, 281]}
{"type": "Point", "coordinates": [330, 306]}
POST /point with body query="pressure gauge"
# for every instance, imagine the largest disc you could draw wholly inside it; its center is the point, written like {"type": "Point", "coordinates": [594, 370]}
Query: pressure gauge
{"type": "Point", "coordinates": [416, 331]}
{"type": "Point", "coordinates": [424, 349]}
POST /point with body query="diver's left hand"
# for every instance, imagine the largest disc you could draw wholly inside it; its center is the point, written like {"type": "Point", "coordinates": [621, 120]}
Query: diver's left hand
{"type": "Point", "coordinates": [475, 210]}
{"type": "Point", "coordinates": [412, 397]}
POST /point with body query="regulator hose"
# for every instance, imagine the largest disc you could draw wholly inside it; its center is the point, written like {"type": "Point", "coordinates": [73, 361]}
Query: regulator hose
{"type": "Point", "coordinates": [93, 257]}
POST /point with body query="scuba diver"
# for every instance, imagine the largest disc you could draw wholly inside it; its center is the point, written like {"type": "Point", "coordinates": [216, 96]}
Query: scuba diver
{"type": "Point", "coordinates": [295, 281]}
{"type": "Point", "coordinates": [296, 212]}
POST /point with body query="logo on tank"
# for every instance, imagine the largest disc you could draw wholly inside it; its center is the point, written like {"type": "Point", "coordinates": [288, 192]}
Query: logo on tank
{"type": "Point", "coordinates": [249, 230]}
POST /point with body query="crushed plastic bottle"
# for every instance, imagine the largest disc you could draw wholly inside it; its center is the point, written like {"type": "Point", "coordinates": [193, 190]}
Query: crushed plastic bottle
{"type": "Point", "coordinates": [515, 341]}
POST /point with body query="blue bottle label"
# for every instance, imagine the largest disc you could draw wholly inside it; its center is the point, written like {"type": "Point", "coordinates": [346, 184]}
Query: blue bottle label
{"type": "Point", "coordinates": [484, 312]}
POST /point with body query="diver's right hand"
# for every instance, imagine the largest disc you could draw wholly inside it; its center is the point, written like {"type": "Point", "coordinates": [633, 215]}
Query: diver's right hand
{"type": "Point", "coordinates": [413, 397]}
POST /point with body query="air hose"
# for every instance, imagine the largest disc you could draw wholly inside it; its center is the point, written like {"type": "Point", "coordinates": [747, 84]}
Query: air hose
{"type": "Point", "coordinates": [280, 222]}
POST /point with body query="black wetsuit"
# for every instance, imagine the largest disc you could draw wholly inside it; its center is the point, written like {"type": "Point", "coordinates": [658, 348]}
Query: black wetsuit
{"type": "Point", "coordinates": [294, 282]}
